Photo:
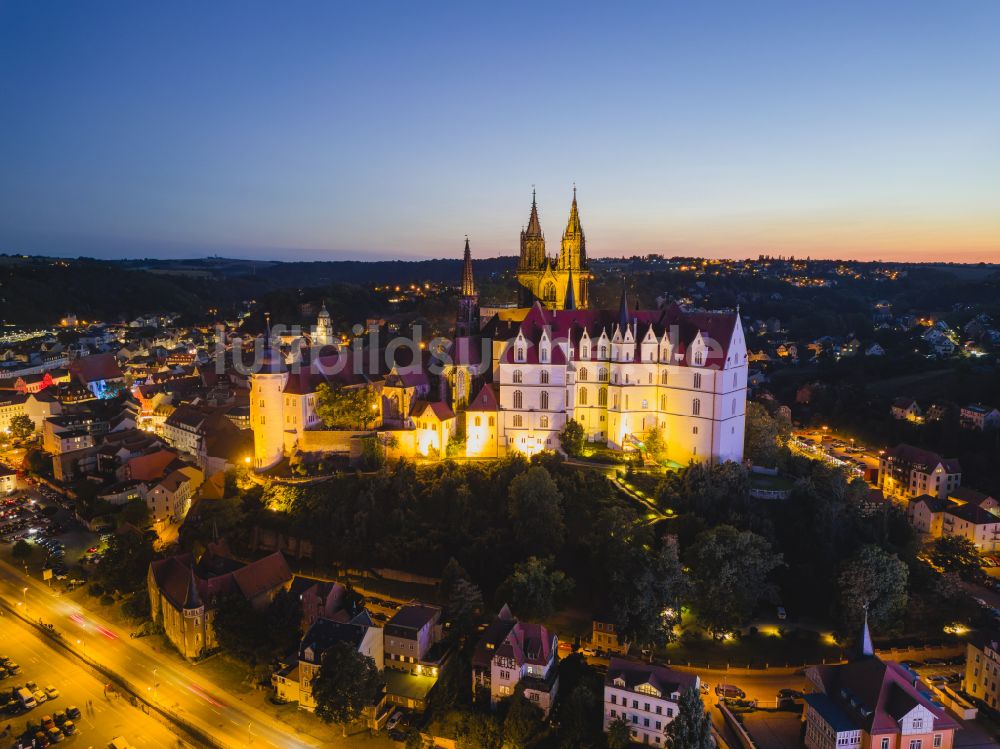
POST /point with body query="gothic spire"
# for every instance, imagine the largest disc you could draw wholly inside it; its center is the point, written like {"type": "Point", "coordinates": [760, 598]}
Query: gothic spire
{"type": "Point", "coordinates": [867, 649]}
{"type": "Point", "coordinates": [468, 282]}
{"type": "Point", "coordinates": [623, 309]}
{"type": "Point", "coordinates": [534, 229]}
{"type": "Point", "coordinates": [570, 301]}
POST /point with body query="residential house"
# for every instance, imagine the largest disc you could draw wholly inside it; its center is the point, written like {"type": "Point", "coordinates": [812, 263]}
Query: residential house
{"type": "Point", "coordinates": [978, 416]}
{"type": "Point", "coordinates": [906, 409]}
{"type": "Point", "coordinates": [646, 696]}
{"type": "Point", "coordinates": [410, 635]}
{"type": "Point", "coordinates": [907, 471]}
{"type": "Point", "coordinates": [872, 704]}
{"type": "Point", "coordinates": [482, 434]}
{"type": "Point", "coordinates": [511, 654]}
{"type": "Point", "coordinates": [99, 373]}
{"type": "Point", "coordinates": [8, 480]}
{"type": "Point", "coordinates": [982, 667]}
{"type": "Point", "coordinates": [604, 635]}
{"type": "Point", "coordinates": [170, 498]}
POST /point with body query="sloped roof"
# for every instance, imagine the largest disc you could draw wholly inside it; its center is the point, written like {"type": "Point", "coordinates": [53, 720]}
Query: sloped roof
{"type": "Point", "coordinates": [95, 368]}
{"type": "Point", "coordinates": [486, 400]}
{"type": "Point", "coordinates": [925, 459]}
{"type": "Point", "coordinates": [263, 575]}
{"type": "Point", "coordinates": [440, 410]}
{"type": "Point", "coordinates": [633, 673]}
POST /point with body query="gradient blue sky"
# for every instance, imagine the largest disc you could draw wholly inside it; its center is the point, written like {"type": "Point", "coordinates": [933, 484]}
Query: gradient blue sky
{"type": "Point", "coordinates": [309, 130]}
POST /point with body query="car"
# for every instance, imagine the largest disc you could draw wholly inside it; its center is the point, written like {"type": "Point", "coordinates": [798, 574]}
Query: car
{"type": "Point", "coordinates": [31, 686]}
{"type": "Point", "coordinates": [55, 735]}
{"type": "Point", "coordinates": [69, 728]}
{"type": "Point", "coordinates": [398, 736]}
{"type": "Point", "coordinates": [39, 696]}
{"type": "Point", "coordinates": [51, 692]}
{"type": "Point", "coordinates": [729, 691]}
{"type": "Point", "coordinates": [92, 550]}
{"type": "Point", "coordinates": [935, 662]}
{"type": "Point", "coordinates": [587, 652]}
{"type": "Point", "coordinates": [59, 717]}
{"type": "Point", "coordinates": [789, 694]}
{"type": "Point", "coordinates": [73, 712]}
{"type": "Point", "coordinates": [782, 614]}
{"type": "Point", "coordinates": [47, 722]}
{"type": "Point", "coordinates": [41, 740]}
{"type": "Point", "coordinates": [937, 679]}
{"type": "Point", "coordinates": [13, 669]}
{"type": "Point", "coordinates": [912, 664]}
{"type": "Point", "coordinates": [394, 720]}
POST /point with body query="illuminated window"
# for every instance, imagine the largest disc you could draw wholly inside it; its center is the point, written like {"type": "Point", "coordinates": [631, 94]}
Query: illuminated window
{"type": "Point", "coordinates": [663, 403]}
{"type": "Point", "coordinates": [543, 422]}
{"type": "Point", "coordinates": [519, 399]}
{"type": "Point", "coordinates": [518, 376]}
{"type": "Point", "coordinates": [602, 374]}
{"type": "Point", "coordinates": [517, 420]}
{"type": "Point", "coordinates": [602, 397]}
{"type": "Point", "coordinates": [543, 401]}
{"type": "Point", "coordinates": [583, 373]}
{"type": "Point", "coordinates": [545, 377]}
{"type": "Point", "coordinates": [583, 396]}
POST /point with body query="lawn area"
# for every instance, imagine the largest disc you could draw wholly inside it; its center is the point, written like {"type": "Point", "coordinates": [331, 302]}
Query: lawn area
{"type": "Point", "coordinates": [794, 648]}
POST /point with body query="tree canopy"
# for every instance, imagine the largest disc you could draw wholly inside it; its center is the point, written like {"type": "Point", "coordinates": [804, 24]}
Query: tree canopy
{"type": "Point", "coordinates": [342, 407]}
{"type": "Point", "coordinates": [347, 683]}
{"type": "Point", "coordinates": [875, 579]}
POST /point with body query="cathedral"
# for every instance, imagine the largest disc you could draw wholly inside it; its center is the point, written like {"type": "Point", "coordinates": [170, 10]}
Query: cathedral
{"type": "Point", "coordinates": [557, 282]}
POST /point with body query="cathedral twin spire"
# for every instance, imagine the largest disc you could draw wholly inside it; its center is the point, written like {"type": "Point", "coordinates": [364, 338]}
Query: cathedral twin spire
{"type": "Point", "coordinates": [572, 252]}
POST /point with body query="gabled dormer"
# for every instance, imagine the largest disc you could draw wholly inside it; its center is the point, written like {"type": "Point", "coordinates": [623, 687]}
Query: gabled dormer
{"type": "Point", "coordinates": [697, 351]}
{"type": "Point", "coordinates": [649, 345]}
{"type": "Point", "coordinates": [603, 345]}
{"type": "Point", "coordinates": [520, 348]}
{"type": "Point", "coordinates": [545, 347]}
{"type": "Point", "coordinates": [619, 682]}
{"type": "Point", "coordinates": [585, 345]}
{"type": "Point", "coordinates": [648, 688]}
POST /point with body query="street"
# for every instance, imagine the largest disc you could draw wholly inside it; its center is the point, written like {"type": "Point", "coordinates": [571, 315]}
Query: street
{"type": "Point", "coordinates": [78, 685]}
{"type": "Point", "coordinates": [166, 682]}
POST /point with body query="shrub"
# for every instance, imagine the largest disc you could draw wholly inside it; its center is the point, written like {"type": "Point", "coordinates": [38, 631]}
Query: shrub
{"type": "Point", "coordinates": [107, 599]}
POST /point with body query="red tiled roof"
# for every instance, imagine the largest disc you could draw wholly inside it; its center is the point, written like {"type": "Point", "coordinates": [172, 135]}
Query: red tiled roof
{"type": "Point", "coordinates": [486, 400]}
{"type": "Point", "coordinates": [95, 368]}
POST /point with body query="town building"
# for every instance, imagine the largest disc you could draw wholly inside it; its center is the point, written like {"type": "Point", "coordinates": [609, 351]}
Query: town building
{"type": "Point", "coordinates": [982, 667]}
{"type": "Point", "coordinates": [511, 654]}
{"type": "Point", "coordinates": [964, 512]}
{"type": "Point", "coordinates": [410, 636]}
{"type": "Point", "coordinates": [646, 696]}
{"type": "Point", "coordinates": [604, 636]}
{"type": "Point", "coordinates": [978, 416]}
{"type": "Point", "coordinates": [906, 471]}
{"type": "Point", "coordinates": [906, 409]}
{"type": "Point", "coordinates": [184, 593]}
{"type": "Point", "coordinates": [868, 703]}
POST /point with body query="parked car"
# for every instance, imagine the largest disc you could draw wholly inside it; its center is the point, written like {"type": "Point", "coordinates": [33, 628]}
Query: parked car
{"type": "Point", "coordinates": [782, 614]}
{"type": "Point", "coordinates": [394, 720]}
{"type": "Point", "coordinates": [789, 694]}
{"type": "Point", "coordinates": [730, 691]}
{"type": "Point", "coordinates": [73, 712]}
{"type": "Point", "coordinates": [51, 692]}
{"type": "Point", "coordinates": [69, 728]}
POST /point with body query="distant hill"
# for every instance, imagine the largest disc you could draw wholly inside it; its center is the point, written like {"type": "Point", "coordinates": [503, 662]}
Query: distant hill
{"type": "Point", "coordinates": [41, 290]}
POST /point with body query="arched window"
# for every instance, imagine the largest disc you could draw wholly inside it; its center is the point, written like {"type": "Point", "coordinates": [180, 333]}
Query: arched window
{"type": "Point", "coordinates": [735, 379]}
{"type": "Point", "coordinates": [585, 352]}
{"type": "Point", "coordinates": [477, 421]}
{"type": "Point", "coordinates": [518, 377]}
{"type": "Point", "coordinates": [545, 355]}
{"type": "Point", "coordinates": [602, 374]}
{"type": "Point", "coordinates": [549, 293]}
{"type": "Point", "coordinates": [604, 352]}
{"type": "Point", "coordinates": [583, 373]}
{"type": "Point", "coordinates": [663, 403]}
{"type": "Point", "coordinates": [519, 354]}
{"type": "Point", "coordinates": [519, 399]}
{"type": "Point", "coordinates": [663, 377]}
{"type": "Point", "coordinates": [491, 421]}
{"type": "Point", "coordinates": [734, 408]}
{"type": "Point", "coordinates": [460, 383]}
{"type": "Point", "coordinates": [602, 397]}
{"type": "Point", "coordinates": [543, 401]}
{"type": "Point", "coordinates": [697, 380]}
{"type": "Point", "coordinates": [517, 420]}
{"type": "Point", "coordinates": [695, 407]}
{"type": "Point", "coordinates": [583, 396]}
{"type": "Point", "coordinates": [545, 377]}
{"type": "Point", "coordinates": [543, 422]}
{"type": "Point", "coordinates": [699, 358]}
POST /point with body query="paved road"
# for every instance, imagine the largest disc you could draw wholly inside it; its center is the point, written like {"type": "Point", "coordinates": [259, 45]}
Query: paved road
{"type": "Point", "coordinates": [76, 684]}
{"type": "Point", "coordinates": [167, 682]}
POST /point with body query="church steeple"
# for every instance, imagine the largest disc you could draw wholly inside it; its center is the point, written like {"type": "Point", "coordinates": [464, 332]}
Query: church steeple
{"type": "Point", "coordinates": [623, 309]}
{"type": "Point", "coordinates": [532, 241]}
{"type": "Point", "coordinates": [468, 283]}
{"type": "Point", "coordinates": [467, 322]}
{"type": "Point", "coordinates": [573, 253]}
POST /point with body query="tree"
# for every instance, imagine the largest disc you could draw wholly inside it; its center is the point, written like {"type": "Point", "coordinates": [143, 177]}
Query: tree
{"type": "Point", "coordinates": [21, 427]}
{"type": "Point", "coordinates": [256, 637]}
{"type": "Point", "coordinates": [535, 507]}
{"type": "Point", "coordinates": [766, 435]}
{"type": "Point", "coordinates": [619, 733]}
{"type": "Point", "coordinates": [876, 579]}
{"type": "Point", "coordinates": [654, 443]}
{"type": "Point", "coordinates": [523, 722]}
{"type": "Point", "coordinates": [347, 683]}
{"type": "Point", "coordinates": [572, 438]}
{"type": "Point", "coordinates": [534, 589]}
{"type": "Point", "coordinates": [646, 588]}
{"type": "Point", "coordinates": [22, 550]}
{"type": "Point", "coordinates": [126, 561]}
{"type": "Point", "coordinates": [135, 512]}
{"type": "Point", "coordinates": [955, 554]}
{"type": "Point", "coordinates": [729, 574]}
{"type": "Point", "coordinates": [342, 407]}
{"type": "Point", "coordinates": [691, 728]}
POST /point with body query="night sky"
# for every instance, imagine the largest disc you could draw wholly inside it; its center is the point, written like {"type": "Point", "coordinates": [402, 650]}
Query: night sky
{"type": "Point", "coordinates": [312, 130]}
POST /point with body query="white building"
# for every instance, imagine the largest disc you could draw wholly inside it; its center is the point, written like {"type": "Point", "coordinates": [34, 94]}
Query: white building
{"type": "Point", "coordinates": [646, 696]}
{"type": "Point", "coordinates": [623, 375]}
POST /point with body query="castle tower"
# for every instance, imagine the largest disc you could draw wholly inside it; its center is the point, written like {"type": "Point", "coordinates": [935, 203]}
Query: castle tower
{"type": "Point", "coordinates": [267, 386]}
{"type": "Point", "coordinates": [468, 304]}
